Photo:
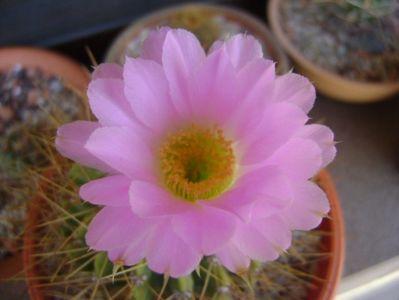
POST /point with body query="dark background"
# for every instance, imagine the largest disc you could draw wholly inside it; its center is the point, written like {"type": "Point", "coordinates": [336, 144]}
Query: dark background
{"type": "Point", "coordinates": [69, 25]}
{"type": "Point", "coordinates": [366, 170]}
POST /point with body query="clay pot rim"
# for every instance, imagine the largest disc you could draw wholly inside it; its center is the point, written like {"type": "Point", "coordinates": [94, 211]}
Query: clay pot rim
{"type": "Point", "coordinates": [75, 75]}
{"type": "Point", "coordinates": [336, 242]}
{"type": "Point", "coordinates": [261, 29]}
{"type": "Point", "coordinates": [274, 16]}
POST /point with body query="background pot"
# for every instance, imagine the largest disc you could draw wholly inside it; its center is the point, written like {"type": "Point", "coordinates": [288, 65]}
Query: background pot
{"type": "Point", "coordinates": [329, 83]}
{"type": "Point", "coordinates": [328, 269]}
{"type": "Point", "coordinates": [75, 77]}
{"type": "Point", "coordinates": [166, 17]}
{"type": "Point", "coordinates": [52, 63]}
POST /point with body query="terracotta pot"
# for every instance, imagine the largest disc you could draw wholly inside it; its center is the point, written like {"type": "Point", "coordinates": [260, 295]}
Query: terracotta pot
{"type": "Point", "coordinates": [329, 83]}
{"type": "Point", "coordinates": [137, 31]}
{"type": "Point", "coordinates": [328, 270]}
{"type": "Point", "coordinates": [11, 266]}
{"type": "Point", "coordinates": [29, 261]}
{"type": "Point", "coordinates": [75, 76]}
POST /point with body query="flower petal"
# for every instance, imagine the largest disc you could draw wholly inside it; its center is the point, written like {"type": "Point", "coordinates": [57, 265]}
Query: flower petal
{"type": "Point", "coordinates": [123, 149]}
{"type": "Point", "coordinates": [299, 158]}
{"type": "Point", "coordinates": [147, 90]}
{"type": "Point", "coordinates": [233, 259]}
{"type": "Point", "coordinates": [276, 231]}
{"type": "Point", "coordinates": [296, 89]}
{"type": "Point", "coordinates": [276, 195]}
{"type": "Point", "coordinates": [114, 227]}
{"type": "Point", "coordinates": [108, 102]}
{"type": "Point", "coordinates": [308, 207]}
{"type": "Point", "coordinates": [182, 53]}
{"type": "Point", "coordinates": [205, 228]}
{"type": "Point", "coordinates": [263, 239]}
{"type": "Point", "coordinates": [280, 121]}
{"type": "Point", "coordinates": [241, 49]}
{"type": "Point", "coordinates": [324, 137]}
{"type": "Point", "coordinates": [110, 191]}
{"type": "Point", "coordinates": [211, 100]}
{"type": "Point", "coordinates": [70, 142]}
{"type": "Point", "coordinates": [130, 254]}
{"type": "Point", "coordinates": [152, 46]}
{"type": "Point", "coordinates": [252, 187]}
{"type": "Point", "coordinates": [167, 253]}
{"type": "Point", "coordinates": [149, 200]}
{"type": "Point", "coordinates": [255, 88]}
{"type": "Point", "coordinates": [107, 70]}
{"type": "Point", "coordinates": [253, 243]}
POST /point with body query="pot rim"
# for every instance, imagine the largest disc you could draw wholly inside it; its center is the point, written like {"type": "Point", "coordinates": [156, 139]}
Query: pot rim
{"type": "Point", "coordinates": [259, 28]}
{"type": "Point", "coordinates": [75, 75]}
{"type": "Point", "coordinates": [335, 223]}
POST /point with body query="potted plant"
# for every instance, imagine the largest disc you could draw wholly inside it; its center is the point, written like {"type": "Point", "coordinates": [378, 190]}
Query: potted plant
{"type": "Point", "coordinates": [200, 190]}
{"type": "Point", "coordinates": [55, 251]}
{"type": "Point", "coordinates": [39, 90]}
{"type": "Point", "coordinates": [348, 48]}
{"type": "Point", "coordinates": [208, 22]}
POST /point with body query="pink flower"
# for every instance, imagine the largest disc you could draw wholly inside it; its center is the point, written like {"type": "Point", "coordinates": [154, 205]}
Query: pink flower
{"type": "Point", "coordinates": [207, 154]}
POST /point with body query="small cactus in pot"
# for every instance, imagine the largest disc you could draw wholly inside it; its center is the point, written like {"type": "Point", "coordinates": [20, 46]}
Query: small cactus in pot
{"type": "Point", "coordinates": [197, 194]}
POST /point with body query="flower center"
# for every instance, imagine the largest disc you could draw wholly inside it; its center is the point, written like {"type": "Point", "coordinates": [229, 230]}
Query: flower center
{"type": "Point", "coordinates": [197, 163]}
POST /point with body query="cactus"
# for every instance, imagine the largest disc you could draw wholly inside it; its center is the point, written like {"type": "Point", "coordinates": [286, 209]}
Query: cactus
{"type": "Point", "coordinates": [67, 268]}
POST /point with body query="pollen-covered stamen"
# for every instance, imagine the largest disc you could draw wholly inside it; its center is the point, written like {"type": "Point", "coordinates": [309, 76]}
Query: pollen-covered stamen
{"type": "Point", "coordinates": [197, 163]}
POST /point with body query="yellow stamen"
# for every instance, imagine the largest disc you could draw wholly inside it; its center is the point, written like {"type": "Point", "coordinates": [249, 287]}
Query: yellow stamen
{"type": "Point", "coordinates": [197, 163]}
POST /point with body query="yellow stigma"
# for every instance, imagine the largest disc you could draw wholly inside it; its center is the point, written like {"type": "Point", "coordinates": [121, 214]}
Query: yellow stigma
{"type": "Point", "coordinates": [197, 163]}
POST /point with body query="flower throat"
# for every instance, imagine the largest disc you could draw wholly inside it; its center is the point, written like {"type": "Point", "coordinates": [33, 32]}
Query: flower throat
{"type": "Point", "coordinates": [197, 163]}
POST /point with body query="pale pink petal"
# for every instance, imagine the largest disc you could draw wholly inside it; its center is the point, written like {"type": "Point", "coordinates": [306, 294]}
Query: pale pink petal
{"type": "Point", "coordinates": [215, 46]}
{"type": "Point", "coordinates": [296, 89]}
{"type": "Point", "coordinates": [70, 142]}
{"type": "Point", "coordinates": [108, 102]}
{"type": "Point", "coordinates": [310, 204]}
{"type": "Point", "coordinates": [182, 53]}
{"type": "Point", "coordinates": [263, 239]}
{"type": "Point", "coordinates": [110, 191]}
{"type": "Point", "coordinates": [130, 254]}
{"type": "Point", "coordinates": [114, 227]}
{"type": "Point", "coordinates": [167, 253]}
{"type": "Point", "coordinates": [255, 88]}
{"type": "Point", "coordinates": [149, 200]}
{"type": "Point", "coordinates": [275, 196]}
{"type": "Point", "coordinates": [254, 244]}
{"type": "Point", "coordinates": [251, 187]}
{"type": "Point", "coordinates": [147, 90]}
{"type": "Point", "coordinates": [205, 228]}
{"type": "Point", "coordinates": [324, 137]}
{"type": "Point", "coordinates": [152, 46]}
{"type": "Point", "coordinates": [211, 100]}
{"type": "Point", "coordinates": [241, 49]}
{"type": "Point", "coordinates": [299, 158]}
{"type": "Point", "coordinates": [124, 150]}
{"type": "Point", "coordinates": [107, 70]}
{"type": "Point", "coordinates": [280, 122]}
{"type": "Point", "coordinates": [233, 259]}
{"type": "Point", "coordinates": [275, 230]}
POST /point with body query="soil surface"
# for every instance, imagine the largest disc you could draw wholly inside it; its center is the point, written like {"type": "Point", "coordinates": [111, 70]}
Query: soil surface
{"type": "Point", "coordinates": [31, 104]}
{"type": "Point", "coordinates": [357, 42]}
